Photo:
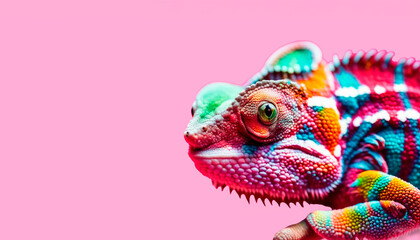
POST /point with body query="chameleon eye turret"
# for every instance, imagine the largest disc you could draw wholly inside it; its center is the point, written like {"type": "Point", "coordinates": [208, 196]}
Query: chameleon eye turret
{"type": "Point", "coordinates": [270, 110]}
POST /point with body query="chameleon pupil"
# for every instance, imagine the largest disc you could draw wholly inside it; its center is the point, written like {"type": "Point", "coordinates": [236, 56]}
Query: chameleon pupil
{"type": "Point", "coordinates": [268, 111]}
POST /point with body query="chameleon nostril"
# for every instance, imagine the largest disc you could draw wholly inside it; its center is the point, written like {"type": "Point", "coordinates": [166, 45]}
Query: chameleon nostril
{"type": "Point", "coordinates": [187, 134]}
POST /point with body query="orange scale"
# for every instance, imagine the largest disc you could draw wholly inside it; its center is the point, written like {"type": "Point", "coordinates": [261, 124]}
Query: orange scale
{"type": "Point", "coordinates": [317, 83]}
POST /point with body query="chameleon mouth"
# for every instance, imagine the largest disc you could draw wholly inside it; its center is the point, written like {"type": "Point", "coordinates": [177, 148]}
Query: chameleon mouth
{"type": "Point", "coordinates": [223, 151]}
{"type": "Point", "coordinates": [242, 172]}
{"type": "Point", "coordinates": [235, 154]}
{"type": "Point", "coordinates": [215, 153]}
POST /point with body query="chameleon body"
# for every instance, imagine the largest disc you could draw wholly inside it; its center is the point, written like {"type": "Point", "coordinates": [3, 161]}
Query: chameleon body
{"type": "Point", "coordinates": [343, 134]}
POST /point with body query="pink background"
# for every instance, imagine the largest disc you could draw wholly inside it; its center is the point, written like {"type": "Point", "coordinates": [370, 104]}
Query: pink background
{"type": "Point", "coordinates": [95, 97]}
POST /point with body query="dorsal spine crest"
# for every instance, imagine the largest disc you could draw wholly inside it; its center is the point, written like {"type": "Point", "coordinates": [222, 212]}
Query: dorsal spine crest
{"type": "Point", "coordinates": [373, 58]}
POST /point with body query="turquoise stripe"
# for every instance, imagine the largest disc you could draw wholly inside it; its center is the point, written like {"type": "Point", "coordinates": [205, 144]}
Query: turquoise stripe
{"type": "Point", "coordinates": [346, 79]}
{"type": "Point", "coordinates": [394, 144]}
{"type": "Point", "coordinates": [414, 177]}
{"type": "Point", "coordinates": [379, 185]}
{"type": "Point", "coordinates": [360, 133]}
{"type": "Point", "coordinates": [399, 75]}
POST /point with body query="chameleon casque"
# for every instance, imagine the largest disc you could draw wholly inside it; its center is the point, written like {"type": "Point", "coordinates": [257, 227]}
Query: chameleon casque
{"type": "Point", "coordinates": [343, 134]}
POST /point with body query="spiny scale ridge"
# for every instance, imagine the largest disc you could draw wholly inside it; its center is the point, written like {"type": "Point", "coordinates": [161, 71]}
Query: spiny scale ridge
{"type": "Point", "coordinates": [373, 58]}
{"type": "Point", "coordinates": [263, 196]}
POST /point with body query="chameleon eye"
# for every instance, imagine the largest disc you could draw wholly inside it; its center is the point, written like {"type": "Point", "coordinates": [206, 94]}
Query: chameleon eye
{"type": "Point", "coordinates": [267, 113]}
{"type": "Point", "coordinates": [272, 110]}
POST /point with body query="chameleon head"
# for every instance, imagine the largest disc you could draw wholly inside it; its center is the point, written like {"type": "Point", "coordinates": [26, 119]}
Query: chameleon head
{"type": "Point", "coordinates": [264, 140]}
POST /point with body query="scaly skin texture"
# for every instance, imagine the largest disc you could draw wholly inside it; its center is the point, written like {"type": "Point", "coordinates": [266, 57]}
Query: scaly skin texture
{"type": "Point", "coordinates": [345, 135]}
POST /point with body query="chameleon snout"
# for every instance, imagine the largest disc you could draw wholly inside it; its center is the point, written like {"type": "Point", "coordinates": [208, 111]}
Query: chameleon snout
{"type": "Point", "coordinates": [192, 139]}
{"type": "Point", "coordinates": [199, 139]}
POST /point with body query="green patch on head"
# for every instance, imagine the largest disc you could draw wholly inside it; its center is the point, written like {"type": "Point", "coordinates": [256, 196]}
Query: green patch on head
{"type": "Point", "coordinates": [214, 98]}
{"type": "Point", "coordinates": [294, 58]}
{"type": "Point", "coordinates": [302, 57]}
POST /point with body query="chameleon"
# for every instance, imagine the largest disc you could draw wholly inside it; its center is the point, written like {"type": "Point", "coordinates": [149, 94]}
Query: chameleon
{"type": "Point", "coordinates": [344, 134]}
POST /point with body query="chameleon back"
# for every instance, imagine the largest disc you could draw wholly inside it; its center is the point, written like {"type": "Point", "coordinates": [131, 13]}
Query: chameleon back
{"type": "Point", "coordinates": [377, 95]}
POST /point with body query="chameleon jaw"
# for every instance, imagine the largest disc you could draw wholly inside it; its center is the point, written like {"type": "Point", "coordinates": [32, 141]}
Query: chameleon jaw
{"type": "Point", "coordinates": [269, 177]}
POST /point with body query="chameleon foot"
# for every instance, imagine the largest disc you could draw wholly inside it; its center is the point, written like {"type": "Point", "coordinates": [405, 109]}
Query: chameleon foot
{"type": "Point", "coordinates": [392, 208]}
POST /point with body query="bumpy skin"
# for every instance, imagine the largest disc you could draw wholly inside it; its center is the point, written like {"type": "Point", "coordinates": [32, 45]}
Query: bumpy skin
{"type": "Point", "coordinates": [345, 135]}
